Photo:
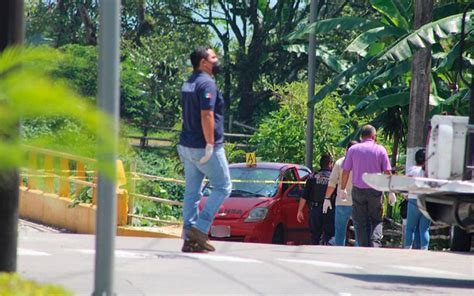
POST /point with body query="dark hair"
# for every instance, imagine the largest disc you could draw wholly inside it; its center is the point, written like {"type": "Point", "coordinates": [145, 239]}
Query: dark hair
{"type": "Point", "coordinates": [325, 160]}
{"type": "Point", "coordinates": [367, 131]}
{"type": "Point", "coordinates": [420, 156]}
{"type": "Point", "coordinates": [197, 55]}
{"type": "Point", "coordinates": [350, 144]}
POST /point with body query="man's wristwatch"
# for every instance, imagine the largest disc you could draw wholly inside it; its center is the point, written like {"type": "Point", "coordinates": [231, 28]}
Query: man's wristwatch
{"type": "Point", "coordinates": [328, 198]}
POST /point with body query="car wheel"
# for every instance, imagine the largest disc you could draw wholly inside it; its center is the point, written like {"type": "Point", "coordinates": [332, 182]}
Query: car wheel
{"type": "Point", "coordinates": [460, 240]}
{"type": "Point", "coordinates": [278, 236]}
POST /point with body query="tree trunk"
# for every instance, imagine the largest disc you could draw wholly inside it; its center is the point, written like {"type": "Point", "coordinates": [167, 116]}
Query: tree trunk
{"type": "Point", "coordinates": [89, 26]}
{"type": "Point", "coordinates": [11, 33]}
{"type": "Point", "coordinates": [420, 87]}
{"type": "Point", "coordinates": [143, 139]}
{"type": "Point", "coordinates": [245, 90]}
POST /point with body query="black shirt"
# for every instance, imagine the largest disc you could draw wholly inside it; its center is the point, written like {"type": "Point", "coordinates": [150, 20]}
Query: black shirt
{"type": "Point", "coordinates": [316, 185]}
{"type": "Point", "coordinates": [198, 93]}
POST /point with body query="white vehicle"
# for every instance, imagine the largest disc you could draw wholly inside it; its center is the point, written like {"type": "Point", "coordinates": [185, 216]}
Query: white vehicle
{"type": "Point", "coordinates": [446, 194]}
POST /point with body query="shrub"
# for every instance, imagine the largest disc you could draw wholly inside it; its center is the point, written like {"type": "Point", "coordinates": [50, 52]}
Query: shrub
{"type": "Point", "coordinates": [281, 137]}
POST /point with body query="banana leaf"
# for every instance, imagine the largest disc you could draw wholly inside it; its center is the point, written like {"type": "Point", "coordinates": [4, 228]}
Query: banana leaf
{"type": "Point", "coordinates": [369, 37]}
{"type": "Point", "coordinates": [350, 23]}
{"type": "Point", "coordinates": [323, 54]}
{"type": "Point", "coordinates": [375, 103]}
{"type": "Point", "coordinates": [392, 11]}
{"type": "Point", "coordinates": [428, 34]}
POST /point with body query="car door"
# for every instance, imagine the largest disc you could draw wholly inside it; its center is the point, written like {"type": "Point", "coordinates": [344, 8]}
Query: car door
{"type": "Point", "coordinates": [292, 193]}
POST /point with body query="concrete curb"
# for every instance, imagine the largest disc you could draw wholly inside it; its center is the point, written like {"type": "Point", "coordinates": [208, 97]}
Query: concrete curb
{"type": "Point", "coordinates": [60, 212]}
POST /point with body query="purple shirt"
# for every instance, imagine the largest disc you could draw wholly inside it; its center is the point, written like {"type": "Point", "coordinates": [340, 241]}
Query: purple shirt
{"type": "Point", "coordinates": [365, 157]}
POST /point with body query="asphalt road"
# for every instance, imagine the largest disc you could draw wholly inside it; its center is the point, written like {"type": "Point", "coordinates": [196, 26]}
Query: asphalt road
{"type": "Point", "coordinates": [147, 266]}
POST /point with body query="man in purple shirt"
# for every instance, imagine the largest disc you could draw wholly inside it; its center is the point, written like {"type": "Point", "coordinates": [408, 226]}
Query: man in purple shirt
{"type": "Point", "coordinates": [366, 157]}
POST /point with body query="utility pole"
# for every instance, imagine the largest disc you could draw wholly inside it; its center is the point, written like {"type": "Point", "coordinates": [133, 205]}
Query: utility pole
{"type": "Point", "coordinates": [420, 87]}
{"type": "Point", "coordinates": [108, 101]}
{"type": "Point", "coordinates": [311, 83]}
{"type": "Point", "coordinates": [11, 33]}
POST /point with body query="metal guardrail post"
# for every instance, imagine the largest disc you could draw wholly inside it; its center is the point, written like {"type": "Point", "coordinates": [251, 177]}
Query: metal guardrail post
{"type": "Point", "coordinates": [33, 164]}
{"type": "Point", "coordinates": [80, 175]}
{"type": "Point", "coordinates": [132, 187]}
{"type": "Point", "coordinates": [64, 186]}
{"type": "Point", "coordinates": [49, 169]}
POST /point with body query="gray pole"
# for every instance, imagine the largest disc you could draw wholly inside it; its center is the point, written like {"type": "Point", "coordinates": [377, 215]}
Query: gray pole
{"type": "Point", "coordinates": [311, 83]}
{"type": "Point", "coordinates": [108, 100]}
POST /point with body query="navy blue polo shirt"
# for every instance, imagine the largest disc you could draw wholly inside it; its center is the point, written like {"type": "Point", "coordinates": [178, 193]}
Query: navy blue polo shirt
{"type": "Point", "coordinates": [198, 93]}
{"type": "Point", "coordinates": [316, 186]}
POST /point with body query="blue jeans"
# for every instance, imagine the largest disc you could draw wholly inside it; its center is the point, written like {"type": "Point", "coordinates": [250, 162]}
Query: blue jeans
{"type": "Point", "coordinates": [343, 214]}
{"type": "Point", "coordinates": [416, 222]}
{"type": "Point", "coordinates": [217, 171]}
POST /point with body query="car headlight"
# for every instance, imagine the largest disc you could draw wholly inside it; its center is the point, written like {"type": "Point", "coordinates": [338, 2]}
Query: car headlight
{"type": "Point", "coordinates": [257, 214]}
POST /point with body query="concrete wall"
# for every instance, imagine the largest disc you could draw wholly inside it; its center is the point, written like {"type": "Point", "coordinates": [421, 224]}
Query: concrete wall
{"type": "Point", "coordinates": [60, 212]}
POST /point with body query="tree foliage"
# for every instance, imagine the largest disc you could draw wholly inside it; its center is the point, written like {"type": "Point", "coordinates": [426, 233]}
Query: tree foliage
{"type": "Point", "coordinates": [252, 34]}
{"type": "Point", "coordinates": [377, 78]}
{"type": "Point", "coordinates": [281, 136]}
{"type": "Point", "coordinates": [155, 53]}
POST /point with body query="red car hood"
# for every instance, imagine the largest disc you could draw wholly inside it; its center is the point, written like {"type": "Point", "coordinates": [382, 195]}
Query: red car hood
{"type": "Point", "coordinates": [237, 207]}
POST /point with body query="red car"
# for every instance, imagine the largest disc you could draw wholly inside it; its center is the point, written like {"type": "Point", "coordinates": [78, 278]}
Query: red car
{"type": "Point", "coordinates": [261, 208]}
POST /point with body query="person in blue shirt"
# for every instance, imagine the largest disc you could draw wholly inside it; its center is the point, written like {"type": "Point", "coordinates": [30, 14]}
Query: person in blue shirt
{"type": "Point", "coordinates": [314, 194]}
{"type": "Point", "coordinates": [201, 149]}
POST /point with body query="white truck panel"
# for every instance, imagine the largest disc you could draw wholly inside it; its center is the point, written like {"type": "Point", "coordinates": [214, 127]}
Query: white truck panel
{"type": "Point", "coordinates": [445, 155]}
{"type": "Point", "coordinates": [416, 185]}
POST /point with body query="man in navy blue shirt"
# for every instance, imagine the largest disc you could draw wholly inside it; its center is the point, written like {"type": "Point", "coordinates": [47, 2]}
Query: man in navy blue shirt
{"type": "Point", "coordinates": [201, 149]}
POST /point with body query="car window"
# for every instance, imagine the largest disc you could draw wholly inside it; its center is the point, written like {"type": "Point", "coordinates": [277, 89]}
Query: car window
{"type": "Point", "coordinates": [296, 191]}
{"type": "Point", "coordinates": [303, 173]}
{"type": "Point", "coordinates": [251, 182]}
{"type": "Point", "coordinates": [289, 176]}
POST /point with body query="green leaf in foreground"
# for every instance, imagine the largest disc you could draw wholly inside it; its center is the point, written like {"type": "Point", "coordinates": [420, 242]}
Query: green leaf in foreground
{"type": "Point", "coordinates": [27, 92]}
{"type": "Point", "coordinates": [12, 284]}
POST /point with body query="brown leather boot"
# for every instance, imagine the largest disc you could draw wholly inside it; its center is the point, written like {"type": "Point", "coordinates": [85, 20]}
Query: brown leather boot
{"type": "Point", "coordinates": [190, 246]}
{"type": "Point", "coordinates": [201, 238]}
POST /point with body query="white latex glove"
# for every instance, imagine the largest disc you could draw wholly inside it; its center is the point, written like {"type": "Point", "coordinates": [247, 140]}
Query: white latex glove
{"type": "Point", "coordinates": [208, 153]}
{"type": "Point", "coordinates": [344, 194]}
{"type": "Point", "coordinates": [326, 205]}
{"type": "Point", "coordinates": [392, 198]}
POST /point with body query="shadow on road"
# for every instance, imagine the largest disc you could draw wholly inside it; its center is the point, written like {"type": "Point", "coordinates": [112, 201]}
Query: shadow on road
{"type": "Point", "coordinates": [410, 280]}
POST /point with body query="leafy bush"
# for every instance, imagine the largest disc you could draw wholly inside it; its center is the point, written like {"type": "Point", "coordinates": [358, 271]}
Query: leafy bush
{"type": "Point", "coordinates": [163, 163]}
{"type": "Point", "coordinates": [233, 154]}
{"type": "Point", "coordinates": [12, 284]}
{"type": "Point", "coordinates": [281, 136]}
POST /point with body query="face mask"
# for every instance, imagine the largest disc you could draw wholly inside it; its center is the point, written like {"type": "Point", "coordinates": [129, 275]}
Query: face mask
{"type": "Point", "coordinates": [216, 68]}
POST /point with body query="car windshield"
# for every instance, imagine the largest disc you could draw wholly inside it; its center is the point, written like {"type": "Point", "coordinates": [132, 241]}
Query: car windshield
{"type": "Point", "coordinates": [247, 182]}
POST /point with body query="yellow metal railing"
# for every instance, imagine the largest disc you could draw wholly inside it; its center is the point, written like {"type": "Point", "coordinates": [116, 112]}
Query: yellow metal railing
{"type": "Point", "coordinates": [54, 172]}
{"type": "Point", "coordinates": [47, 171]}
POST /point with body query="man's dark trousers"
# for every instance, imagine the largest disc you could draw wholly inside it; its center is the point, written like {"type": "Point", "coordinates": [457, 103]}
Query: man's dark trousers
{"type": "Point", "coordinates": [319, 222]}
{"type": "Point", "coordinates": [367, 208]}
